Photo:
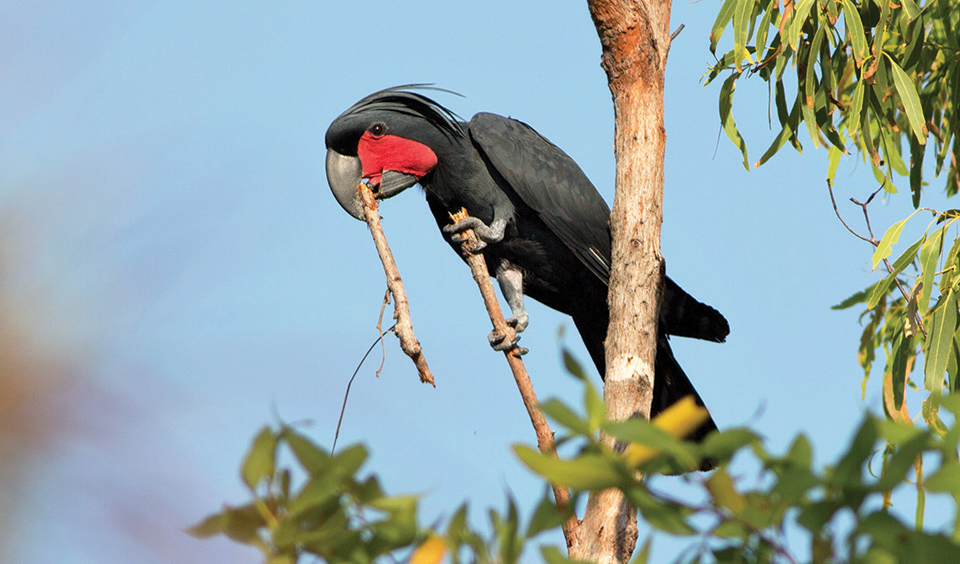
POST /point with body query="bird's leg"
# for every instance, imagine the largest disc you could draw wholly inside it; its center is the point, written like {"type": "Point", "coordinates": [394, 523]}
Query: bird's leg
{"type": "Point", "coordinates": [510, 278]}
{"type": "Point", "coordinates": [492, 233]}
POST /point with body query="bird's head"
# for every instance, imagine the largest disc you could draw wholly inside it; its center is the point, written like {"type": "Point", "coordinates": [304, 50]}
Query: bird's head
{"type": "Point", "coordinates": [388, 140]}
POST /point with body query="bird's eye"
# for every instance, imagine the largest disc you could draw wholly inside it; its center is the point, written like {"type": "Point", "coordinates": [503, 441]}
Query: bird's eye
{"type": "Point", "coordinates": [377, 129]}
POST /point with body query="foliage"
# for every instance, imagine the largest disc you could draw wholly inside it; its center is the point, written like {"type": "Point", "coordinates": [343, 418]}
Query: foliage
{"type": "Point", "coordinates": [887, 81]}
{"type": "Point", "coordinates": [337, 516]}
{"type": "Point", "coordinates": [879, 78]}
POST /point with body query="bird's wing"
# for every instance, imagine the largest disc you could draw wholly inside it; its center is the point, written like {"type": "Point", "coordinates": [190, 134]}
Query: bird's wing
{"type": "Point", "coordinates": [550, 183]}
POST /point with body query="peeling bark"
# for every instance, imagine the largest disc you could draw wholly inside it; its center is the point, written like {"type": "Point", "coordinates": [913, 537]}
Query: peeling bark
{"type": "Point", "coordinates": [635, 37]}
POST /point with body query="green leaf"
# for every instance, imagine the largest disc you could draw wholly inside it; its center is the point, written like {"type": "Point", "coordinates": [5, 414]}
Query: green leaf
{"type": "Point", "coordinates": [902, 262]}
{"type": "Point", "coordinates": [946, 479]}
{"type": "Point", "coordinates": [596, 409]}
{"type": "Point", "coordinates": [929, 258]}
{"type": "Point", "coordinates": [911, 9]}
{"type": "Point", "coordinates": [724, 494]}
{"type": "Point", "coordinates": [940, 343]}
{"type": "Point", "coordinates": [311, 457]}
{"type": "Point", "coordinates": [854, 26]}
{"type": "Point", "coordinates": [726, 116]}
{"type": "Point", "coordinates": [212, 525]}
{"type": "Point", "coordinates": [889, 239]}
{"type": "Point", "coordinates": [259, 462]}
{"type": "Point", "coordinates": [786, 133]}
{"type": "Point", "coordinates": [722, 445]}
{"type": "Point", "coordinates": [664, 515]}
{"type": "Point", "coordinates": [243, 524]}
{"type": "Point", "coordinates": [573, 366]}
{"type": "Point", "coordinates": [565, 417]}
{"type": "Point", "coordinates": [741, 24]}
{"type": "Point", "coordinates": [810, 77]}
{"type": "Point", "coordinates": [835, 155]}
{"type": "Point", "coordinates": [858, 298]}
{"type": "Point", "coordinates": [856, 108]}
{"type": "Point", "coordinates": [903, 349]}
{"type": "Point", "coordinates": [552, 555]}
{"type": "Point", "coordinates": [800, 14]}
{"type": "Point", "coordinates": [586, 472]}
{"type": "Point", "coordinates": [639, 431]}
{"type": "Point", "coordinates": [350, 460]}
{"type": "Point", "coordinates": [848, 472]}
{"type": "Point", "coordinates": [896, 468]}
{"type": "Point", "coordinates": [910, 100]}
{"type": "Point", "coordinates": [720, 24]}
{"type": "Point", "coordinates": [814, 516]}
{"type": "Point", "coordinates": [545, 517]}
{"type": "Point", "coordinates": [930, 409]}
{"type": "Point", "coordinates": [810, 120]}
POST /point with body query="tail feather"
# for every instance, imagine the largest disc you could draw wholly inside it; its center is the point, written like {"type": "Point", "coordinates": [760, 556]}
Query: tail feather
{"type": "Point", "coordinates": [682, 315]}
{"type": "Point", "coordinates": [670, 383]}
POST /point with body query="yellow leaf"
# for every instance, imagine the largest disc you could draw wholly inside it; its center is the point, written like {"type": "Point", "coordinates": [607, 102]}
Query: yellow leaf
{"type": "Point", "coordinates": [721, 488]}
{"type": "Point", "coordinates": [680, 419]}
{"type": "Point", "coordinates": [430, 552]}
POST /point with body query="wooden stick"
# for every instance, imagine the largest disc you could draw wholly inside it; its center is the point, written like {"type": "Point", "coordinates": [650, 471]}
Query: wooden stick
{"type": "Point", "coordinates": [401, 310]}
{"type": "Point", "coordinates": [545, 442]}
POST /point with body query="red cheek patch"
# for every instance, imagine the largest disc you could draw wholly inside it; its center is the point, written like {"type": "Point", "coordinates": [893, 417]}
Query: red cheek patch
{"type": "Point", "coordinates": [389, 152]}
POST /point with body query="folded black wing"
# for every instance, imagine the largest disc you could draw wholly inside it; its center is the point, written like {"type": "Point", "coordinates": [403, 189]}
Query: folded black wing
{"type": "Point", "coordinates": [551, 184]}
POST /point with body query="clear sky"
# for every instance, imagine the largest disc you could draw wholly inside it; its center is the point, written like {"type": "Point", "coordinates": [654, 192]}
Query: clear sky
{"type": "Point", "coordinates": [177, 270]}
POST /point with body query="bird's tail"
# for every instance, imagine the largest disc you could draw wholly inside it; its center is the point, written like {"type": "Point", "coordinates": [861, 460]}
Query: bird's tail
{"type": "Point", "coordinates": [682, 315]}
{"type": "Point", "coordinates": [670, 382]}
{"type": "Point", "coordinates": [670, 385]}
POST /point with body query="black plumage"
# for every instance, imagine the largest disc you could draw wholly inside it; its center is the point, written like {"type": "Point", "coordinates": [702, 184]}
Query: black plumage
{"type": "Point", "coordinates": [545, 226]}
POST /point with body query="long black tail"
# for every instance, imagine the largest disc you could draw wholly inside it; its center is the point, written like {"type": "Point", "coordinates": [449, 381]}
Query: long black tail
{"type": "Point", "coordinates": [680, 314]}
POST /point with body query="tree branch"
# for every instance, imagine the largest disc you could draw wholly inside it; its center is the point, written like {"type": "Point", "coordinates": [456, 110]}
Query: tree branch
{"type": "Point", "coordinates": [545, 442]}
{"type": "Point", "coordinates": [635, 38]}
{"type": "Point", "coordinates": [873, 241]}
{"type": "Point", "coordinates": [401, 310]}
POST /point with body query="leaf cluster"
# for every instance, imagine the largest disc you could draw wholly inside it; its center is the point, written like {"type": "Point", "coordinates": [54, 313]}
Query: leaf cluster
{"type": "Point", "coordinates": [333, 514]}
{"type": "Point", "coordinates": [729, 516]}
{"type": "Point", "coordinates": [913, 310]}
{"type": "Point", "coordinates": [748, 518]}
{"type": "Point", "coordinates": [876, 76]}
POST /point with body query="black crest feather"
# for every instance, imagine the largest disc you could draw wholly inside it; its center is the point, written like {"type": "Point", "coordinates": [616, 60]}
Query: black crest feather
{"type": "Point", "coordinates": [405, 100]}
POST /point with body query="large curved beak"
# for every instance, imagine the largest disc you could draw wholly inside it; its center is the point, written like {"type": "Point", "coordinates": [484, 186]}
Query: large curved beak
{"type": "Point", "coordinates": [343, 175]}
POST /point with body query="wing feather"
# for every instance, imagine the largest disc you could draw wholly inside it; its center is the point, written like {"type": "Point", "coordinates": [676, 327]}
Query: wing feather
{"type": "Point", "coordinates": [551, 184]}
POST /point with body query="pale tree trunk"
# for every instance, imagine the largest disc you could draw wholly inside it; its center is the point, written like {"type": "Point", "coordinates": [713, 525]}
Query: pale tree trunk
{"type": "Point", "coordinates": [635, 36]}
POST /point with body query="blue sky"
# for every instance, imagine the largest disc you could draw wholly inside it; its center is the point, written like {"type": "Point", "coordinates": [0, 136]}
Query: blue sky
{"type": "Point", "coordinates": [170, 246]}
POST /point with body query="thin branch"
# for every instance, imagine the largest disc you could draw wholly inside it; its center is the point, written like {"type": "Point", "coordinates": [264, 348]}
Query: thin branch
{"type": "Point", "coordinates": [873, 241]}
{"type": "Point", "coordinates": [545, 442]}
{"type": "Point", "coordinates": [346, 394]}
{"type": "Point", "coordinates": [837, 211]}
{"type": "Point", "coordinates": [676, 33]}
{"type": "Point", "coordinates": [401, 310]}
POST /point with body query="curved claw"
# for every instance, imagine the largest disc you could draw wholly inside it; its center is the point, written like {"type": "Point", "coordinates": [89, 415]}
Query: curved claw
{"type": "Point", "coordinates": [486, 233]}
{"type": "Point", "coordinates": [478, 244]}
{"type": "Point", "coordinates": [499, 343]}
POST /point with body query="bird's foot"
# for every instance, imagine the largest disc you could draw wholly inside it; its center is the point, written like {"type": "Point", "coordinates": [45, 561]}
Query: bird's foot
{"type": "Point", "coordinates": [519, 323]}
{"type": "Point", "coordinates": [499, 340]}
{"type": "Point", "coordinates": [485, 233]}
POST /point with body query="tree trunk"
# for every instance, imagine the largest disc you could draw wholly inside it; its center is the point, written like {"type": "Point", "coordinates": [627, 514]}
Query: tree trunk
{"type": "Point", "coordinates": [635, 36]}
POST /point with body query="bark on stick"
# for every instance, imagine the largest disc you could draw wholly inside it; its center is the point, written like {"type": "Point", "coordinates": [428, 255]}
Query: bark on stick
{"type": "Point", "coordinates": [401, 309]}
{"type": "Point", "coordinates": [545, 443]}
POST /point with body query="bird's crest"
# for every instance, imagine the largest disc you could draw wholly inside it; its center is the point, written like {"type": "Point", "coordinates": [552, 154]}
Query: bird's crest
{"type": "Point", "coordinates": [403, 99]}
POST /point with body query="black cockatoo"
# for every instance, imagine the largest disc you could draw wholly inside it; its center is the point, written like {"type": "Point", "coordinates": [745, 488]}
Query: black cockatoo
{"type": "Point", "coordinates": [544, 227]}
